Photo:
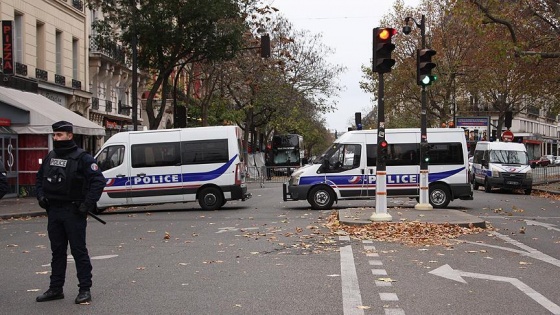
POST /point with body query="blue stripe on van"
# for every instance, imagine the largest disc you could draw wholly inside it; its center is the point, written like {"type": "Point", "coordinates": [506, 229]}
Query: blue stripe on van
{"type": "Point", "coordinates": [185, 177]}
{"type": "Point", "coordinates": [392, 179]}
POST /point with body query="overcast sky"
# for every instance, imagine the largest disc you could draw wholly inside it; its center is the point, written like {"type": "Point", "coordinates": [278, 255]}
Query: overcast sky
{"type": "Point", "coordinates": [346, 26]}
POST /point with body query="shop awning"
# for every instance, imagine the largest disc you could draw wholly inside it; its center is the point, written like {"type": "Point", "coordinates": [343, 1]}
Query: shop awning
{"type": "Point", "coordinates": [44, 112]}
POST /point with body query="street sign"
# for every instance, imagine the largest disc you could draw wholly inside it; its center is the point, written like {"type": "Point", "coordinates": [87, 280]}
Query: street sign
{"type": "Point", "coordinates": [507, 136]}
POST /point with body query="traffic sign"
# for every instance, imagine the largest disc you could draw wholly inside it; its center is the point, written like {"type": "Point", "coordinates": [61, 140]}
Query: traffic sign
{"type": "Point", "coordinates": [507, 136]}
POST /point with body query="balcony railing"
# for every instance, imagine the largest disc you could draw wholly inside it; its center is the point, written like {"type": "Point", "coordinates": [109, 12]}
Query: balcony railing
{"type": "Point", "coordinates": [107, 47]}
{"type": "Point", "coordinates": [78, 4]}
{"type": "Point", "coordinates": [76, 84]}
{"type": "Point", "coordinates": [59, 79]}
{"type": "Point", "coordinates": [95, 103]}
{"type": "Point", "coordinates": [21, 69]}
{"type": "Point", "coordinates": [41, 74]}
{"type": "Point", "coordinates": [123, 109]}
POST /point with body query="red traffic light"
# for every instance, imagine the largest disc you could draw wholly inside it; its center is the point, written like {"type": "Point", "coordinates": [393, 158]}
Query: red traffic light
{"type": "Point", "coordinates": [383, 144]}
{"type": "Point", "coordinates": [386, 33]}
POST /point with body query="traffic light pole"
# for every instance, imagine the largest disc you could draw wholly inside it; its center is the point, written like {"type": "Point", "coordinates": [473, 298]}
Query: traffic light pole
{"type": "Point", "coordinates": [380, 213]}
{"type": "Point", "coordinates": [423, 202]}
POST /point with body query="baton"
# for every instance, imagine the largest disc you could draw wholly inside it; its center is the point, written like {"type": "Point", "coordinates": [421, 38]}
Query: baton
{"type": "Point", "coordinates": [96, 217]}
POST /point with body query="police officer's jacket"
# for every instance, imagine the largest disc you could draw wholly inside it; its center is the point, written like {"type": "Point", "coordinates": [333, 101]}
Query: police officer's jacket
{"type": "Point", "coordinates": [73, 177]}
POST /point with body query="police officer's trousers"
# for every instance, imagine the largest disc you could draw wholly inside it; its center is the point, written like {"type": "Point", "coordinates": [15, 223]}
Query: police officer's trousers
{"type": "Point", "coordinates": [66, 226]}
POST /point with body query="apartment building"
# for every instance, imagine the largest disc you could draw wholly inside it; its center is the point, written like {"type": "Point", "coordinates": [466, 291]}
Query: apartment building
{"type": "Point", "coordinates": [45, 78]}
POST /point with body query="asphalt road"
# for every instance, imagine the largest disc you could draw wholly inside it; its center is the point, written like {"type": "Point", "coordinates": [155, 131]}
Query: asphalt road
{"type": "Point", "coordinates": [265, 256]}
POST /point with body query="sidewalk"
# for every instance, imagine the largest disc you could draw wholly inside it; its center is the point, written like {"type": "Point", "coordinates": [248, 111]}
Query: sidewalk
{"type": "Point", "coordinates": [29, 207]}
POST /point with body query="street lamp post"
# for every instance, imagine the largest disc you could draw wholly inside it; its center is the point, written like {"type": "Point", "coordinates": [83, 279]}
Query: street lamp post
{"type": "Point", "coordinates": [423, 203]}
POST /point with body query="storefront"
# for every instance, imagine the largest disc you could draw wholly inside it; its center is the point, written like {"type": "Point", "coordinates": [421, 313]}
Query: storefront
{"type": "Point", "coordinates": [29, 118]}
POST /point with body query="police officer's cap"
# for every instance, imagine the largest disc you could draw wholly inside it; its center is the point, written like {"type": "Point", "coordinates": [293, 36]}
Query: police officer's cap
{"type": "Point", "coordinates": [62, 126]}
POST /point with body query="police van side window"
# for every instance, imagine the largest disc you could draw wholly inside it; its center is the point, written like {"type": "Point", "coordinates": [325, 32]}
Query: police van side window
{"type": "Point", "coordinates": [156, 154]}
{"type": "Point", "coordinates": [403, 154]}
{"type": "Point", "coordinates": [110, 157]}
{"type": "Point", "coordinates": [446, 153]}
{"type": "Point", "coordinates": [204, 151]}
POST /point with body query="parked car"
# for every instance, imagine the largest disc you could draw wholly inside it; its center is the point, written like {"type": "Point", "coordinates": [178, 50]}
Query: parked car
{"type": "Point", "coordinates": [542, 161]}
{"type": "Point", "coordinates": [554, 159]}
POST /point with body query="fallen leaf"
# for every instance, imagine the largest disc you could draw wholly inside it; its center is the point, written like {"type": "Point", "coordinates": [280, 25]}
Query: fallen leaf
{"type": "Point", "coordinates": [363, 307]}
{"type": "Point", "coordinates": [386, 280]}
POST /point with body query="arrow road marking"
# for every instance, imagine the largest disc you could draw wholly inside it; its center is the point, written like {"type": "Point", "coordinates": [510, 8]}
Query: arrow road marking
{"type": "Point", "coordinates": [447, 272]}
{"type": "Point", "coordinates": [549, 226]}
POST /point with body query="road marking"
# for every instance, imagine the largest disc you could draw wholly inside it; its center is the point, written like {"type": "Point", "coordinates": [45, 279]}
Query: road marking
{"type": "Point", "coordinates": [447, 272]}
{"type": "Point", "coordinates": [351, 296]}
{"type": "Point", "coordinates": [388, 297]}
{"type": "Point", "coordinates": [529, 251]}
{"type": "Point", "coordinates": [233, 229]}
{"type": "Point", "coordinates": [548, 226]}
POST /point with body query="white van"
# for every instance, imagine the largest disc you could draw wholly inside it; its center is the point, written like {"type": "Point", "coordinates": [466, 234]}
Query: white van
{"type": "Point", "coordinates": [348, 169]}
{"type": "Point", "coordinates": [502, 165]}
{"type": "Point", "coordinates": [173, 165]}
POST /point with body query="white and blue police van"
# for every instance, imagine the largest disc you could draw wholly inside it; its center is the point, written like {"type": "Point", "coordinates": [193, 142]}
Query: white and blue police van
{"type": "Point", "coordinates": [502, 165]}
{"type": "Point", "coordinates": [347, 170]}
{"type": "Point", "coordinates": [173, 165]}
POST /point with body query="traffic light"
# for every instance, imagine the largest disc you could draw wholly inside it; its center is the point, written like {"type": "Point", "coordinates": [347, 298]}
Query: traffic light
{"type": "Point", "coordinates": [383, 153]}
{"type": "Point", "coordinates": [424, 66]}
{"type": "Point", "coordinates": [426, 152]}
{"type": "Point", "coordinates": [508, 118]}
{"type": "Point", "coordinates": [358, 119]}
{"type": "Point", "coordinates": [265, 46]}
{"type": "Point", "coordinates": [382, 48]}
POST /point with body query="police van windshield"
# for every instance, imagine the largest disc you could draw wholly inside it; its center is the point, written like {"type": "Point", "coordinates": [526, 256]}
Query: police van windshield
{"type": "Point", "coordinates": [508, 157]}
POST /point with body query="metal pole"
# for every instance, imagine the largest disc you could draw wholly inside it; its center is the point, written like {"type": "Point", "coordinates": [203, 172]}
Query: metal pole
{"type": "Point", "coordinates": [423, 202]}
{"type": "Point", "coordinates": [380, 213]}
{"type": "Point", "coordinates": [134, 89]}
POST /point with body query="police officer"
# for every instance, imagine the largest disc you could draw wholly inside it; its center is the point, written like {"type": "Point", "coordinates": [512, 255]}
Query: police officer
{"type": "Point", "coordinates": [4, 187]}
{"type": "Point", "coordinates": [69, 183]}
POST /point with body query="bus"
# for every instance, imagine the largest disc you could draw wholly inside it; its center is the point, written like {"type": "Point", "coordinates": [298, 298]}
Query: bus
{"type": "Point", "coordinates": [287, 150]}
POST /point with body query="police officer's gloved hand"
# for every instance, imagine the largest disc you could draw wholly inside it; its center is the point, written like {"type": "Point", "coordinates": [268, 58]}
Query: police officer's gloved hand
{"type": "Point", "coordinates": [43, 202]}
{"type": "Point", "coordinates": [85, 208]}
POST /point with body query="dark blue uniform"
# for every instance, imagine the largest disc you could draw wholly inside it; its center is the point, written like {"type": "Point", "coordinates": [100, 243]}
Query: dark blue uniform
{"type": "Point", "coordinates": [68, 185]}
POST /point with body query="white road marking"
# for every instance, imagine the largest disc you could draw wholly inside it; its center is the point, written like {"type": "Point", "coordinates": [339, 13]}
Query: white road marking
{"type": "Point", "coordinates": [447, 272]}
{"type": "Point", "coordinates": [548, 226]}
{"type": "Point", "coordinates": [351, 296]}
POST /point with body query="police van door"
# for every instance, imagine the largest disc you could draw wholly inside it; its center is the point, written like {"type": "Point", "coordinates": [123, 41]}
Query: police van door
{"type": "Point", "coordinates": [112, 161]}
{"type": "Point", "coordinates": [156, 167]}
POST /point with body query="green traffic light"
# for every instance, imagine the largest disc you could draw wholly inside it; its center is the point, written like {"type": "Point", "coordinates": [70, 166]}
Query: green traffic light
{"type": "Point", "coordinates": [428, 79]}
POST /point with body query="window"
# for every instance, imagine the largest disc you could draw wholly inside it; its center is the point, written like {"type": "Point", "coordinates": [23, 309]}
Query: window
{"type": "Point", "coordinates": [342, 157]}
{"type": "Point", "coordinates": [156, 154]}
{"type": "Point", "coordinates": [446, 154]}
{"type": "Point", "coordinates": [40, 46]}
{"type": "Point", "coordinates": [18, 38]}
{"type": "Point", "coordinates": [205, 151]}
{"type": "Point", "coordinates": [409, 154]}
{"type": "Point", "coordinates": [75, 58]}
{"type": "Point", "coordinates": [110, 157]}
{"type": "Point", "coordinates": [58, 50]}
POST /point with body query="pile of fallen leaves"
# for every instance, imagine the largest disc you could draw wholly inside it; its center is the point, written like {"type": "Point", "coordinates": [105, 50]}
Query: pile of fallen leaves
{"type": "Point", "coordinates": [409, 233]}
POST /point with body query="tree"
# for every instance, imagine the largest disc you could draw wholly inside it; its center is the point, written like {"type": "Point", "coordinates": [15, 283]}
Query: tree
{"type": "Point", "coordinates": [170, 33]}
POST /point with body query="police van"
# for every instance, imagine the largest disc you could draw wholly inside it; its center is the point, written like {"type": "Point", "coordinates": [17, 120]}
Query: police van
{"type": "Point", "coordinates": [347, 170]}
{"type": "Point", "coordinates": [173, 165]}
{"type": "Point", "coordinates": [502, 165]}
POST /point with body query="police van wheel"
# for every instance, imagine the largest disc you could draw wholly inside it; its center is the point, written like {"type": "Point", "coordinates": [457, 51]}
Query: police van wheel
{"type": "Point", "coordinates": [210, 198]}
{"type": "Point", "coordinates": [528, 191]}
{"type": "Point", "coordinates": [321, 198]}
{"type": "Point", "coordinates": [439, 196]}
